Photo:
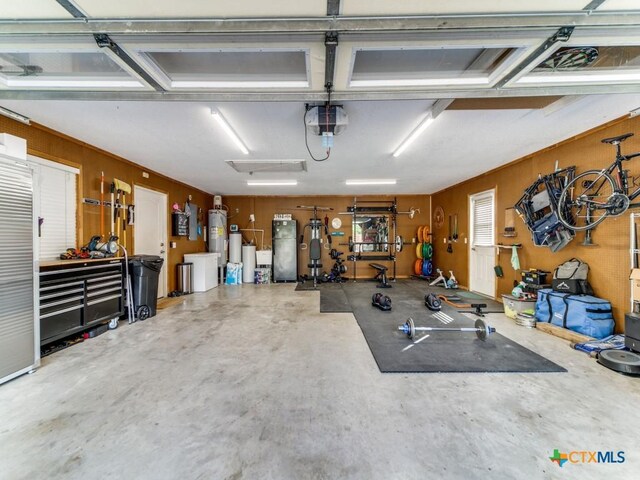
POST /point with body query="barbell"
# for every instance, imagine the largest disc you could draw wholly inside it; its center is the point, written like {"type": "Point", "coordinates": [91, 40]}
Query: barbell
{"type": "Point", "coordinates": [399, 243]}
{"type": "Point", "coordinates": [481, 329]}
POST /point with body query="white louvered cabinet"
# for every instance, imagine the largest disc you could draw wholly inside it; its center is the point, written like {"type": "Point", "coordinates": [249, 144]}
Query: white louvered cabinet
{"type": "Point", "coordinates": [19, 328]}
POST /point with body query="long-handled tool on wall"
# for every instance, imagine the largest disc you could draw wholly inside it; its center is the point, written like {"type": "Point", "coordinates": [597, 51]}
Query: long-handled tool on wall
{"type": "Point", "coordinates": [102, 204]}
{"type": "Point", "coordinates": [120, 216]}
{"type": "Point", "coordinates": [450, 246]}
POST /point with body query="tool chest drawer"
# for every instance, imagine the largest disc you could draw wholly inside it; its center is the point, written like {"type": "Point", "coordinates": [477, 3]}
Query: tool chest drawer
{"type": "Point", "coordinates": [75, 295]}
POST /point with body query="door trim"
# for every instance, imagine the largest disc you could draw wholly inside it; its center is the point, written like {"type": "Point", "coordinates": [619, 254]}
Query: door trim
{"type": "Point", "coordinates": [164, 228]}
{"type": "Point", "coordinates": [490, 192]}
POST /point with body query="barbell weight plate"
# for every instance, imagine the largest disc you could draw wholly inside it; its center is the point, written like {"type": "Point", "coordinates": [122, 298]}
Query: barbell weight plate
{"type": "Point", "coordinates": [425, 233]}
{"type": "Point", "coordinates": [429, 251]}
{"type": "Point", "coordinates": [399, 243]}
{"type": "Point", "coordinates": [386, 301]}
{"type": "Point", "coordinates": [376, 297]}
{"type": "Point", "coordinates": [412, 328]}
{"type": "Point", "coordinates": [425, 268]}
{"type": "Point", "coordinates": [417, 267]}
{"type": "Point", "coordinates": [420, 234]}
{"type": "Point", "coordinates": [481, 331]}
{"type": "Point", "coordinates": [430, 268]}
{"type": "Point", "coordinates": [424, 250]}
{"type": "Point", "coordinates": [419, 250]}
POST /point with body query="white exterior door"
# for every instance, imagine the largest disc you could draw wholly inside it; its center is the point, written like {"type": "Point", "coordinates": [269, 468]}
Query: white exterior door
{"type": "Point", "coordinates": [151, 228]}
{"type": "Point", "coordinates": [482, 256]}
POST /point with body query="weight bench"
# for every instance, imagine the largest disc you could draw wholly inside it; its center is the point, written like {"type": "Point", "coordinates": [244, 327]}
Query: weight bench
{"type": "Point", "coordinates": [381, 275]}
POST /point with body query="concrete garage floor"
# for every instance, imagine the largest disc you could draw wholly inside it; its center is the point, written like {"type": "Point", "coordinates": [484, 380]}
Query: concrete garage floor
{"type": "Point", "coordinates": [250, 382]}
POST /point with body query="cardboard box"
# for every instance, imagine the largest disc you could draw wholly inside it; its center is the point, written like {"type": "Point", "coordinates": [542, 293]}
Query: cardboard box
{"type": "Point", "coordinates": [635, 284]}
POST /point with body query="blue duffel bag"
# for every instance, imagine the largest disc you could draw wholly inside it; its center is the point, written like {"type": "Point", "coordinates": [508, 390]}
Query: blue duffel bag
{"type": "Point", "coordinates": [584, 314]}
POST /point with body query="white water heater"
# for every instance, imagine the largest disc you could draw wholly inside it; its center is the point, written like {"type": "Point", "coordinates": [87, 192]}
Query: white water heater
{"type": "Point", "coordinates": [218, 234]}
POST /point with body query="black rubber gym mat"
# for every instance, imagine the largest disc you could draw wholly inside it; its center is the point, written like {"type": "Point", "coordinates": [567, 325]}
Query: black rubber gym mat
{"type": "Point", "coordinates": [332, 296]}
{"type": "Point", "coordinates": [440, 351]}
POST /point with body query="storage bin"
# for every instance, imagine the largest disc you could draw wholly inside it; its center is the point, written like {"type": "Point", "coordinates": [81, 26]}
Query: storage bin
{"type": "Point", "coordinates": [262, 275]}
{"type": "Point", "coordinates": [513, 306]}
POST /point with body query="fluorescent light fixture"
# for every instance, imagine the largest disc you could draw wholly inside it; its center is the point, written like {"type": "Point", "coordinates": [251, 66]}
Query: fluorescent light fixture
{"type": "Point", "coordinates": [229, 131]}
{"type": "Point", "coordinates": [15, 115]}
{"type": "Point", "coordinates": [371, 182]}
{"type": "Point", "coordinates": [239, 84]}
{"type": "Point", "coordinates": [52, 83]}
{"type": "Point", "coordinates": [415, 134]}
{"type": "Point", "coordinates": [420, 82]}
{"type": "Point", "coordinates": [597, 77]}
{"type": "Point", "coordinates": [271, 183]}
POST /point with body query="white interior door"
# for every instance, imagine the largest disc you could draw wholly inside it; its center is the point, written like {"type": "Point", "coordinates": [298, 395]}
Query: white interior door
{"type": "Point", "coordinates": [482, 256]}
{"type": "Point", "coordinates": [151, 228]}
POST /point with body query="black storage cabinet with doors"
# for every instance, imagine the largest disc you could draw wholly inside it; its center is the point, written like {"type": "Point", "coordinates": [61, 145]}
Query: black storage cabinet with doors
{"type": "Point", "coordinates": [144, 271]}
{"type": "Point", "coordinates": [78, 294]}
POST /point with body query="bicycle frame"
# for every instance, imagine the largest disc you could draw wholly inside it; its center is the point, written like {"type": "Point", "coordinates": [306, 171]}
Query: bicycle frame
{"type": "Point", "coordinates": [617, 173]}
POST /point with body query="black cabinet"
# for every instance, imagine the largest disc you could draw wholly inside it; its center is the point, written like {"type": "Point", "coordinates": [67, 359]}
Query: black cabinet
{"type": "Point", "coordinates": [76, 295]}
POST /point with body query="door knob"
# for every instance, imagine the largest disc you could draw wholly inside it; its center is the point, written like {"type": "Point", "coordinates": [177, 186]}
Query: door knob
{"type": "Point", "coordinates": [161, 252]}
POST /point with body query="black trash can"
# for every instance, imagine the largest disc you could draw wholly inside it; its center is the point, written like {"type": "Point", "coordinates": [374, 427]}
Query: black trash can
{"type": "Point", "coordinates": [144, 271]}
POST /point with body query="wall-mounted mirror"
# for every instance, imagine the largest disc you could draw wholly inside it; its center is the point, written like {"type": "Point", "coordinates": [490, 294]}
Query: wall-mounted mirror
{"type": "Point", "coordinates": [371, 233]}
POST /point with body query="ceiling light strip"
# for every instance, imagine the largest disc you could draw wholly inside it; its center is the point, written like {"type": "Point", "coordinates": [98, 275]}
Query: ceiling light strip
{"type": "Point", "coordinates": [56, 83]}
{"type": "Point", "coordinates": [256, 183]}
{"type": "Point", "coordinates": [415, 134]}
{"type": "Point", "coordinates": [229, 131]}
{"type": "Point", "coordinates": [379, 181]}
{"type": "Point", "coordinates": [590, 77]}
{"type": "Point", "coordinates": [419, 82]}
{"type": "Point", "coordinates": [239, 84]}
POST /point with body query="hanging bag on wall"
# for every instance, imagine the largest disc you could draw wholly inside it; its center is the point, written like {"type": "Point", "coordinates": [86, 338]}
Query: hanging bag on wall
{"type": "Point", "coordinates": [571, 277]}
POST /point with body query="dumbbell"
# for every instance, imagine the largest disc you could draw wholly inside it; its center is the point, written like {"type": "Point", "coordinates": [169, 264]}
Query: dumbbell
{"type": "Point", "coordinates": [381, 301]}
{"type": "Point", "coordinates": [481, 329]}
{"type": "Point", "coordinates": [432, 302]}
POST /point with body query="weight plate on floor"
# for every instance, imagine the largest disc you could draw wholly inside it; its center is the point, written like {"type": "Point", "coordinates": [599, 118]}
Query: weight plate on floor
{"type": "Point", "coordinates": [412, 328]}
{"type": "Point", "coordinates": [481, 331]}
{"type": "Point", "coordinates": [419, 250]}
{"type": "Point", "coordinates": [417, 267]}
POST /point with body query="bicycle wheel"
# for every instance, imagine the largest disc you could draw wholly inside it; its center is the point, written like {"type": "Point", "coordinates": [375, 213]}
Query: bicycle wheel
{"type": "Point", "coordinates": [585, 201]}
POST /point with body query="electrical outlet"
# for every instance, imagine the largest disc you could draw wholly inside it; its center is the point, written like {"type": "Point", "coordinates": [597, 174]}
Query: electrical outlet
{"type": "Point", "coordinates": [252, 218]}
{"type": "Point", "coordinates": [173, 244]}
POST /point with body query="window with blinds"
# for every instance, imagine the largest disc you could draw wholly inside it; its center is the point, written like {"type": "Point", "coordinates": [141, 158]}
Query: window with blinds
{"type": "Point", "coordinates": [56, 201]}
{"type": "Point", "coordinates": [483, 230]}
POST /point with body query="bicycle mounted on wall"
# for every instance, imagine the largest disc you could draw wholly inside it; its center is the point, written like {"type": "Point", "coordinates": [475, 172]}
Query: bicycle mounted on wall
{"type": "Point", "coordinates": [595, 195]}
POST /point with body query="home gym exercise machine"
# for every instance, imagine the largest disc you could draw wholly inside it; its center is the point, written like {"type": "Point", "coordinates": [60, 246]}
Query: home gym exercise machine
{"type": "Point", "coordinates": [379, 241]}
{"type": "Point", "coordinates": [315, 226]}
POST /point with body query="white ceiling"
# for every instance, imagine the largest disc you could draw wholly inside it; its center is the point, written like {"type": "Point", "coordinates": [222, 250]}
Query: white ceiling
{"type": "Point", "coordinates": [169, 129]}
{"type": "Point", "coordinates": [181, 140]}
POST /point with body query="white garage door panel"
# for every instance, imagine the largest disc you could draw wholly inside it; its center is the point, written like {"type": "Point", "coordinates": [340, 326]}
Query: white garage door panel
{"type": "Point", "coordinates": [32, 9]}
{"type": "Point", "coordinates": [433, 7]}
{"type": "Point", "coordinates": [200, 8]}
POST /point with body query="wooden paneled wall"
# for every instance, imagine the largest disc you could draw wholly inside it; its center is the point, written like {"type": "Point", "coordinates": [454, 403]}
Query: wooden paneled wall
{"type": "Point", "coordinates": [608, 261]}
{"type": "Point", "coordinates": [264, 207]}
{"type": "Point", "coordinates": [51, 145]}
